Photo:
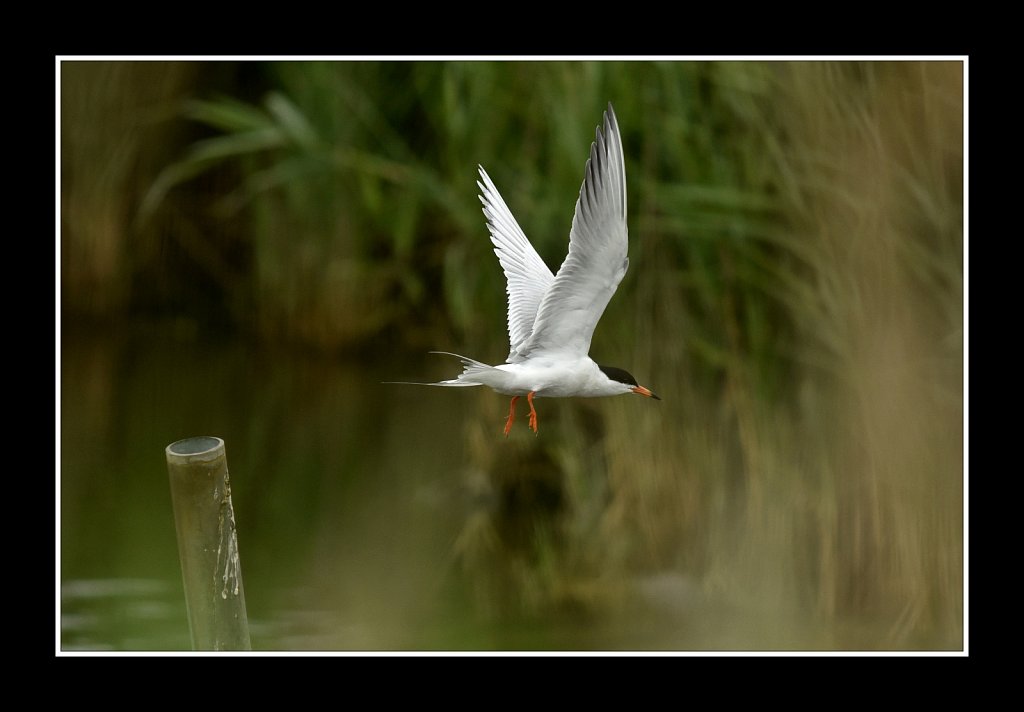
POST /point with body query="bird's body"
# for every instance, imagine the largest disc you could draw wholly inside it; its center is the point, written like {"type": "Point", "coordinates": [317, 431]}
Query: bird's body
{"type": "Point", "coordinates": [551, 317]}
{"type": "Point", "coordinates": [550, 375]}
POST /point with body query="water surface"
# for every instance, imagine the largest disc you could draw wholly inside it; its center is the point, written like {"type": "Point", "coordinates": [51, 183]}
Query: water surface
{"type": "Point", "coordinates": [361, 520]}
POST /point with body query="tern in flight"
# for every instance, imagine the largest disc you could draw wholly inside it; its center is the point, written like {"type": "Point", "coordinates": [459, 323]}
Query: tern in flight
{"type": "Point", "coordinates": [551, 317]}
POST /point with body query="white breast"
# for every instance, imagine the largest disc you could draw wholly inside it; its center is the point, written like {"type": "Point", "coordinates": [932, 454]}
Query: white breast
{"type": "Point", "coordinates": [554, 376]}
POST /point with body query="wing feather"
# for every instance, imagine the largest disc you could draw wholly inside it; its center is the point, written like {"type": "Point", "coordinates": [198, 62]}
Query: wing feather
{"type": "Point", "coordinates": [597, 261]}
{"type": "Point", "coordinates": [528, 278]}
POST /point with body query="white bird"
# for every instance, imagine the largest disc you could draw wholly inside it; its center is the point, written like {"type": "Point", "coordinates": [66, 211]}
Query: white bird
{"type": "Point", "coordinates": [551, 317]}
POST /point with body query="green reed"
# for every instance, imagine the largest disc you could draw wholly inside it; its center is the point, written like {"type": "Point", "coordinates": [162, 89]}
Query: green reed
{"type": "Point", "coordinates": [795, 295]}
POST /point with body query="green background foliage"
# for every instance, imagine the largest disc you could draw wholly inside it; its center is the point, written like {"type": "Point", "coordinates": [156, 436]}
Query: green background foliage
{"type": "Point", "coordinates": [795, 295]}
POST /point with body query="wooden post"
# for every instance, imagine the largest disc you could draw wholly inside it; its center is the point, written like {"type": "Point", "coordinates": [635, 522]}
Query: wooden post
{"type": "Point", "coordinates": [207, 544]}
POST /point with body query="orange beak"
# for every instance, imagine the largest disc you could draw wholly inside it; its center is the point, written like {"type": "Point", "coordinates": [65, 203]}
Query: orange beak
{"type": "Point", "coordinates": [645, 392]}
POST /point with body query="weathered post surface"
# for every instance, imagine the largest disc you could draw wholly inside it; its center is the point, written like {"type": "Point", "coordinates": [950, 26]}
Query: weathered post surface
{"type": "Point", "coordinates": [207, 544]}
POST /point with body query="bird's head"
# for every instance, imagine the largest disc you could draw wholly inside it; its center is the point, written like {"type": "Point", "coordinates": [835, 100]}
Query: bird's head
{"type": "Point", "coordinates": [625, 379]}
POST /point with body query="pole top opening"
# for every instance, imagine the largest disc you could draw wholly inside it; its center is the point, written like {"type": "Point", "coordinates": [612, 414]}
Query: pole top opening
{"type": "Point", "coordinates": [203, 447]}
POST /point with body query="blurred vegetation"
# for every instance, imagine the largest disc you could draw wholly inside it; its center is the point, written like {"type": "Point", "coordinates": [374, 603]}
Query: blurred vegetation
{"type": "Point", "coordinates": [796, 297]}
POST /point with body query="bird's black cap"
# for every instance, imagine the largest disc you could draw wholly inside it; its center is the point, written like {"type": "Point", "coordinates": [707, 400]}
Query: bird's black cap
{"type": "Point", "coordinates": [623, 376]}
{"type": "Point", "coordinates": [619, 374]}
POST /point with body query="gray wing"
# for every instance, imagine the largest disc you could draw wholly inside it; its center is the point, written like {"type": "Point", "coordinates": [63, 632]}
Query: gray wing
{"type": "Point", "coordinates": [597, 260]}
{"type": "Point", "coordinates": [528, 278]}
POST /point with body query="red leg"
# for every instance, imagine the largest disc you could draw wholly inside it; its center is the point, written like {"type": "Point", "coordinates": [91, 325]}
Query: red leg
{"type": "Point", "coordinates": [511, 415]}
{"type": "Point", "coordinates": [533, 413]}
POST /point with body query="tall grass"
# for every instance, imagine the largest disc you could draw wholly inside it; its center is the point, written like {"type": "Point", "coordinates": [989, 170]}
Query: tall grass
{"type": "Point", "coordinates": [795, 298]}
{"type": "Point", "coordinates": [800, 300]}
{"type": "Point", "coordinates": [114, 123]}
{"type": "Point", "coordinates": [848, 452]}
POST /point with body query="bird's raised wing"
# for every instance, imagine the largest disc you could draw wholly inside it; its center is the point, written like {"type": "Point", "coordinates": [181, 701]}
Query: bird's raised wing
{"type": "Point", "coordinates": [528, 278]}
{"type": "Point", "coordinates": [597, 260]}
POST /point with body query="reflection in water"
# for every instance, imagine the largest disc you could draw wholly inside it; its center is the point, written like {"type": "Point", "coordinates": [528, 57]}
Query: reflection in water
{"type": "Point", "coordinates": [376, 517]}
{"type": "Point", "coordinates": [122, 614]}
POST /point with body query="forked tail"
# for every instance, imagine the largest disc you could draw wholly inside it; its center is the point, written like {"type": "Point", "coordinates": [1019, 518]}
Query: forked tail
{"type": "Point", "coordinates": [471, 373]}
